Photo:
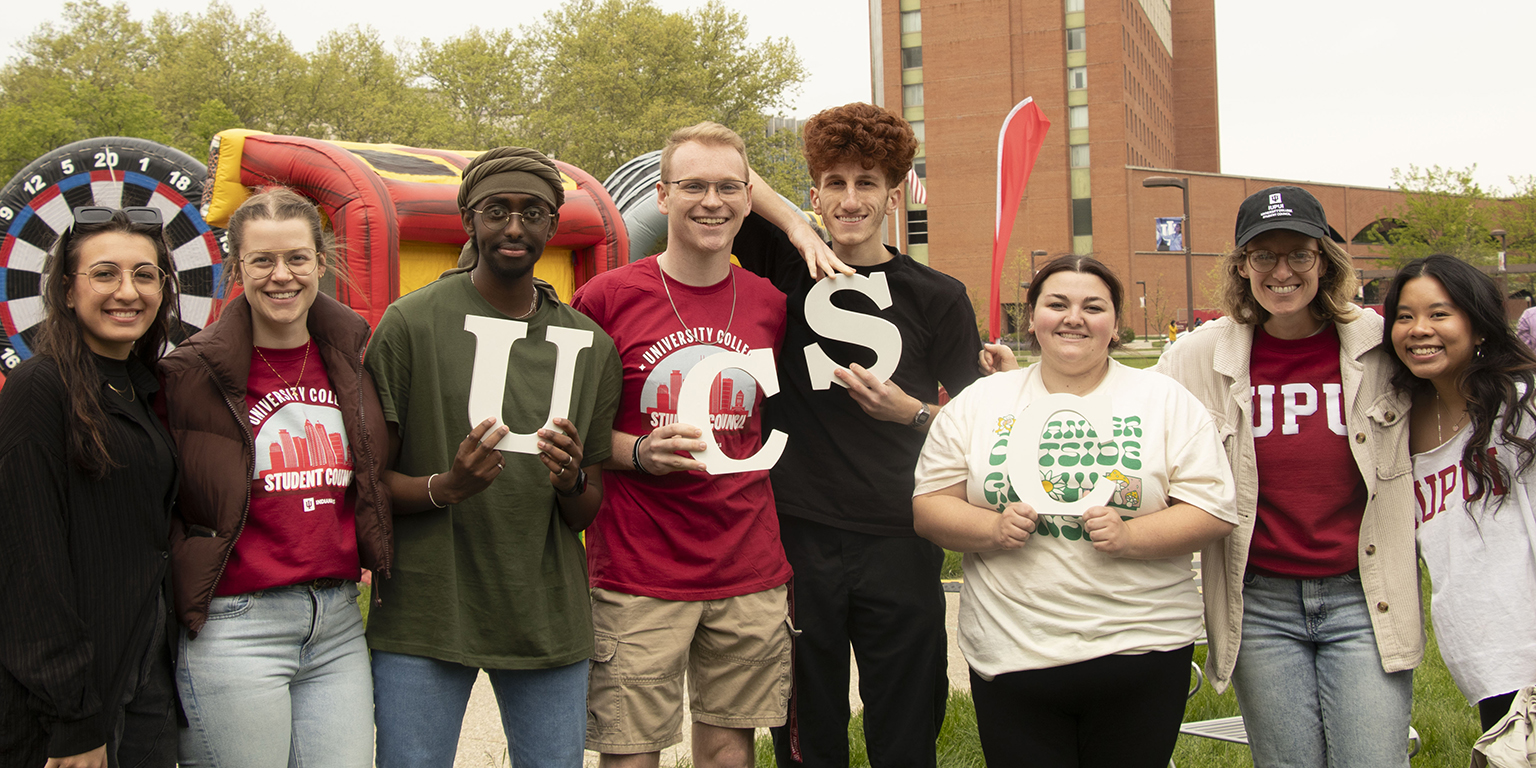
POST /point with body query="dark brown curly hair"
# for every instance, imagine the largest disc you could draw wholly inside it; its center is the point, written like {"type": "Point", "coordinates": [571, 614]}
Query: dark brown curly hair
{"type": "Point", "coordinates": [864, 133]}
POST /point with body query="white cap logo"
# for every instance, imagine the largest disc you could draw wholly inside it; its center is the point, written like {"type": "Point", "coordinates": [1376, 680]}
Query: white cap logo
{"type": "Point", "coordinates": [1274, 198]}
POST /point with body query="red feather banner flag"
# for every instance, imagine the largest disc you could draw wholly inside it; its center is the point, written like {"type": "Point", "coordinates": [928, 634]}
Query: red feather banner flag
{"type": "Point", "coordinates": [1017, 147]}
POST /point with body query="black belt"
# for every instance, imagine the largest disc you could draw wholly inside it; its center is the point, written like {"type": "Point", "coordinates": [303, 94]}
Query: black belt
{"type": "Point", "coordinates": [318, 584]}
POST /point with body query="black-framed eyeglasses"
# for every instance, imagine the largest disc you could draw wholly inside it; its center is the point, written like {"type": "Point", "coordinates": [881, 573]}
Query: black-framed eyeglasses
{"type": "Point", "coordinates": [727, 189]}
{"type": "Point", "coordinates": [497, 215]}
{"type": "Point", "coordinates": [300, 262]}
{"type": "Point", "coordinates": [1300, 260]}
{"type": "Point", "coordinates": [137, 214]}
{"type": "Point", "coordinates": [148, 279]}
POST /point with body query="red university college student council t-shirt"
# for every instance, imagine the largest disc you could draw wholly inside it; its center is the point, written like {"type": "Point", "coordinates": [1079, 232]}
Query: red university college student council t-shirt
{"type": "Point", "coordinates": [301, 524]}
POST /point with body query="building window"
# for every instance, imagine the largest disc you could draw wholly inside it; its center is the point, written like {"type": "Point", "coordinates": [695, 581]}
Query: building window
{"type": "Point", "coordinates": [1082, 217]}
{"type": "Point", "coordinates": [917, 130]}
{"type": "Point", "coordinates": [921, 166]}
{"type": "Point", "coordinates": [1080, 156]}
{"type": "Point", "coordinates": [912, 95]}
{"type": "Point", "coordinates": [1077, 39]}
{"type": "Point", "coordinates": [1074, 6]}
{"type": "Point", "coordinates": [1077, 117]}
{"type": "Point", "coordinates": [911, 21]}
{"type": "Point", "coordinates": [917, 227]}
{"type": "Point", "coordinates": [1077, 77]}
{"type": "Point", "coordinates": [912, 58]}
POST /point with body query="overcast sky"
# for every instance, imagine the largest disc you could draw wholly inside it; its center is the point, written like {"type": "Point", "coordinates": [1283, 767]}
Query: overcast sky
{"type": "Point", "coordinates": [1310, 90]}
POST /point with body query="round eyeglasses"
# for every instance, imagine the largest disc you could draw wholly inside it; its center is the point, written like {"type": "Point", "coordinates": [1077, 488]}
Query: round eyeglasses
{"type": "Point", "coordinates": [260, 264]}
{"type": "Point", "coordinates": [148, 279]}
{"type": "Point", "coordinates": [1300, 260]}
{"type": "Point", "coordinates": [496, 216]}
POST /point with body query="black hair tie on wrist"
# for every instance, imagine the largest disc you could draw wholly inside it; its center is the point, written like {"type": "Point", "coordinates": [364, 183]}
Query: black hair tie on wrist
{"type": "Point", "coordinates": [634, 457]}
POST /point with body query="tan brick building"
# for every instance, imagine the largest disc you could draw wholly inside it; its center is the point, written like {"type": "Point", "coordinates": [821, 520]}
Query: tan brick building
{"type": "Point", "coordinates": [1130, 89]}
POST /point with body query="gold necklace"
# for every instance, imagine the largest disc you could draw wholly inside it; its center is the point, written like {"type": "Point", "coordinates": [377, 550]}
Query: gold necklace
{"type": "Point", "coordinates": [534, 307]}
{"type": "Point", "coordinates": [279, 376]}
{"type": "Point", "coordinates": [679, 315]}
{"type": "Point", "coordinates": [1440, 436]}
{"type": "Point", "coordinates": [131, 394]}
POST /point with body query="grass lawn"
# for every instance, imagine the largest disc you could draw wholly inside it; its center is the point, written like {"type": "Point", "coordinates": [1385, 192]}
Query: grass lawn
{"type": "Point", "coordinates": [1446, 725]}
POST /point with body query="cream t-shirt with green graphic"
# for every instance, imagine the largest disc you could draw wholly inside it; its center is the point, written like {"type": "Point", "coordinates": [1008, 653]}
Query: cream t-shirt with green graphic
{"type": "Point", "coordinates": [1057, 600]}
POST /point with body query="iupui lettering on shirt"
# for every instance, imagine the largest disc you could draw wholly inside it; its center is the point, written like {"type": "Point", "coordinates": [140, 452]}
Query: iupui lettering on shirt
{"type": "Point", "coordinates": [301, 525]}
{"type": "Point", "coordinates": [1479, 558]}
{"type": "Point", "coordinates": [1311, 495]}
{"type": "Point", "coordinates": [1444, 484]}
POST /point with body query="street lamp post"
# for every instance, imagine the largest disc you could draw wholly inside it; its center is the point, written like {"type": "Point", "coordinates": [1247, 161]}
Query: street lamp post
{"type": "Point", "coordinates": [1503, 245]}
{"type": "Point", "coordinates": [1145, 331]}
{"type": "Point", "coordinates": [1189, 262]}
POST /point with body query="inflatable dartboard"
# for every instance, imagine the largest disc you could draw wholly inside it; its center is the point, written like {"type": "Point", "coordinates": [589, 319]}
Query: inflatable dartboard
{"type": "Point", "coordinates": [37, 205]}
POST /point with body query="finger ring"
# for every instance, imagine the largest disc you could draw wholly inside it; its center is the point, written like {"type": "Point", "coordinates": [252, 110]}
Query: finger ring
{"type": "Point", "coordinates": [561, 472]}
{"type": "Point", "coordinates": [566, 464]}
{"type": "Point", "coordinates": [501, 464]}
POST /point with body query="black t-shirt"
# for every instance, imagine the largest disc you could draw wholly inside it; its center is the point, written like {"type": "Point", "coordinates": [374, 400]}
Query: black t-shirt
{"type": "Point", "coordinates": [842, 467]}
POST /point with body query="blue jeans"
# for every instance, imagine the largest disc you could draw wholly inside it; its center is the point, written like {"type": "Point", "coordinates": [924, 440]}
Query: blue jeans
{"type": "Point", "coordinates": [1309, 677]}
{"type": "Point", "coordinates": [420, 703]}
{"type": "Point", "coordinates": [278, 678]}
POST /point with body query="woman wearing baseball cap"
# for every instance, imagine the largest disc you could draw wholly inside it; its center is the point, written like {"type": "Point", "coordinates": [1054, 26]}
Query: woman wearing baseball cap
{"type": "Point", "coordinates": [1312, 604]}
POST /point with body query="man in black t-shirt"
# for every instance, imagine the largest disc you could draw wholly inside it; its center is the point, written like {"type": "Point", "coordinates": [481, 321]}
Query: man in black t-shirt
{"type": "Point", "coordinates": [857, 419]}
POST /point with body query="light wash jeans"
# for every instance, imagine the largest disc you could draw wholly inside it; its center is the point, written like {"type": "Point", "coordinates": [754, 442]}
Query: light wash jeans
{"type": "Point", "coordinates": [278, 678]}
{"type": "Point", "coordinates": [1309, 678]}
{"type": "Point", "coordinates": [420, 703]}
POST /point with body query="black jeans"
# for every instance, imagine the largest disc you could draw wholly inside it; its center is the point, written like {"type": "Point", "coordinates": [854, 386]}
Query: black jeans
{"type": "Point", "coordinates": [881, 594]}
{"type": "Point", "coordinates": [1111, 712]}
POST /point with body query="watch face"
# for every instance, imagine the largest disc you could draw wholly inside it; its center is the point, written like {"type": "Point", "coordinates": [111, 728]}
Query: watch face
{"type": "Point", "coordinates": [922, 416]}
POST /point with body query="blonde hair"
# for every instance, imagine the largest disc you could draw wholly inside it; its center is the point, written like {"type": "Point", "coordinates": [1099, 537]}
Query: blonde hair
{"type": "Point", "coordinates": [1336, 287]}
{"type": "Point", "coordinates": [282, 204]}
{"type": "Point", "coordinates": [707, 133]}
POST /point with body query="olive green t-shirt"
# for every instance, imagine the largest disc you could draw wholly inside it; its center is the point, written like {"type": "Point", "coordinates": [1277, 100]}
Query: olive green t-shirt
{"type": "Point", "coordinates": [498, 581]}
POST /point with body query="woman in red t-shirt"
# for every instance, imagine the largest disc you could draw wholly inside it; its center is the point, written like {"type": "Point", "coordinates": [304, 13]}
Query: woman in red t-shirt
{"type": "Point", "coordinates": [1312, 604]}
{"type": "Point", "coordinates": [281, 439]}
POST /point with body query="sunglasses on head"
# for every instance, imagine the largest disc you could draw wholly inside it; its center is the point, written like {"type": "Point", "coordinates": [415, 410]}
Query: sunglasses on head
{"type": "Point", "coordinates": [100, 214]}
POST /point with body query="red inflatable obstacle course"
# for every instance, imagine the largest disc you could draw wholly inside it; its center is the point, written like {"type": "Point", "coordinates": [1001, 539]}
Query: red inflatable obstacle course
{"type": "Point", "coordinates": [394, 210]}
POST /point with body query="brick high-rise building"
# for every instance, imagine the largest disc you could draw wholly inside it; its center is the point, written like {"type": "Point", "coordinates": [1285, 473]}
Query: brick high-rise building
{"type": "Point", "coordinates": [1130, 89]}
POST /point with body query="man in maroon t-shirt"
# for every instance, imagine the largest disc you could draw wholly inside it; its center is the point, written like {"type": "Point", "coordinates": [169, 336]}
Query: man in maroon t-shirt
{"type": "Point", "coordinates": [686, 566]}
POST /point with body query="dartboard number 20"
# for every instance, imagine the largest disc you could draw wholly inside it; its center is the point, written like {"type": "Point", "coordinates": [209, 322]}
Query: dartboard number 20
{"type": "Point", "coordinates": [36, 206]}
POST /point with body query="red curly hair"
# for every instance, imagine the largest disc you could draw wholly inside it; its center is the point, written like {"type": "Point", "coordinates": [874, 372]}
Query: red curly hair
{"type": "Point", "coordinates": [864, 133]}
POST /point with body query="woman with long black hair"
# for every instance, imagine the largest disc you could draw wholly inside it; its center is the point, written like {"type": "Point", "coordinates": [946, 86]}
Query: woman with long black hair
{"type": "Point", "coordinates": [89, 475]}
{"type": "Point", "coordinates": [1473, 385]}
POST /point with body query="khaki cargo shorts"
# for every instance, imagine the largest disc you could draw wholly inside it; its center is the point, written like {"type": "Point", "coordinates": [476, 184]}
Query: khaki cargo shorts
{"type": "Point", "coordinates": [735, 652]}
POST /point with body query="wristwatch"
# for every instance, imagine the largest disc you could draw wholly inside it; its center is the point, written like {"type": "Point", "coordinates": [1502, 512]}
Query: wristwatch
{"type": "Point", "coordinates": [923, 414]}
{"type": "Point", "coordinates": [579, 488]}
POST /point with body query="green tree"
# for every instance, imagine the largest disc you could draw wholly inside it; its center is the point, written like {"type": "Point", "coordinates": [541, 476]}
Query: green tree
{"type": "Point", "coordinates": [217, 70]}
{"type": "Point", "coordinates": [84, 77]}
{"type": "Point", "coordinates": [615, 77]}
{"type": "Point", "coordinates": [1444, 210]}
{"type": "Point", "coordinates": [358, 90]}
{"type": "Point", "coordinates": [480, 84]}
{"type": "Point", "coordinates": [780, 160]}
{"type": "Point", "coordinates": [594, 83]}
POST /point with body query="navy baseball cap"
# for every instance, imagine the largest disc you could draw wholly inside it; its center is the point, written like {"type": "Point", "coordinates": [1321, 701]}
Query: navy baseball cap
{"type": "Point", "coordinates": [1275, 208]}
